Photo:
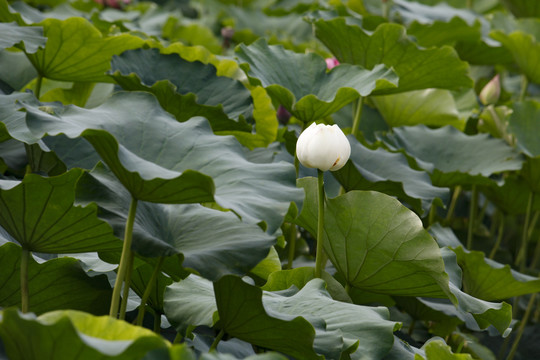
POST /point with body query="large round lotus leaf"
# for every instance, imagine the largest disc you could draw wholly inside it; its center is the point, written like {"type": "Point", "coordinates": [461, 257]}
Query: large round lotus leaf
{"type": "Point", "coordinates": [185, 89]}
{"type": "Point", "coordinates": [40, 214]}
{"type": "Point", "coordinates": [212, 242]}
{"type": "Point", "coordinates": [53, 285]}
{"type": "Point", "coordinates": [301, 83]}
{"type": "Point", "coordinates": [77, 51]}
{"type": "Point", "coordinates": [381, 246]}
{"type": "Point", "coordinates": [12, 34]}
{"type": "Point", "coordinates": [159, 159]}
{"type": "Point", "coordinates": [82, 336]}
{"type": "Point", "coordinates": [417, 68]}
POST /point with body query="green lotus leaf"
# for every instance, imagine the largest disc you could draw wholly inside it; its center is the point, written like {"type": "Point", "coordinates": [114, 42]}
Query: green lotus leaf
{"type": "Point", "coordinates": [438, 350]}
{"type": "Point", "coordinates": [381, 246]}
{"type": "Point", "coordinates": [378, 245]}
{"type": "Point", "coordinates": [301, 83]}
{"type": "Point", "coordinates": [523, 8]}
{"type": "Point", "coordinates": [185, 89]}
{"type": "Point", "coordinates": [40, 214]}
{"type": "Point", "coordinates": [252, 315]}
{"type": "Point", "coordinates": [525, 49]}
{"type": "Point", "coordinates": [417, 68]}
{"type": "Point", "coordinates": [139, 281]}
{"type": "Point", "coordinates": [454, 158]}
{"type": "Point", "coordinates": [467, 37]}
{"type": "Point", "coordinates": [432, 107]}
{"type": "Point", "coordinates": [511, 197]}
{"type": "Point", "coordinates": [158, 158]}
{"type": "Point", "coordinates": [84, 336]}
{"type": "Point", "coordinates": [13, 121]}
{"type": "Point", "coordinates": [525, 126]}
{"type": "Point", "coordinates": [284, 279]}
{"type": "Point", "coordinates": [286, 7]}
{"type": "Point", "coordinates": [488, 280]}
{"type": "Point", "coordinates": [266, 123]}
{"type": "Point", "coordinates": [190, 302]}
{"type": "Point", "coordinates": [389, 173]}
{"type": "Point", "coordinates": [212, 242]}
{"type": "Point", "coordinates": [12, 34]}
{"type": "Point", "coordinates": [222, 356]}
{"type": "Point", "coordinates": [53, 285]}
{"type": "Point", "coordinates": [77, 51]}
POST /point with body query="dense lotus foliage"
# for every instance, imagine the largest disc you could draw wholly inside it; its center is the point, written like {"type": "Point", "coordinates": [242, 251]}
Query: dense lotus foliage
{"type": "Point", "coordinates": [152, 205]}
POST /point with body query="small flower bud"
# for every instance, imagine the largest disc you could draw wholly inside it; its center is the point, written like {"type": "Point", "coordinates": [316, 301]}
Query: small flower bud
{"type": "Point", "coordinates": [283, 115]}
{"type": "Point", "coordinates": [491, 92]}
{"type": "Point", "coordinates": [324, 147]}
{"type": "Point", "coordinates": [331, 63]}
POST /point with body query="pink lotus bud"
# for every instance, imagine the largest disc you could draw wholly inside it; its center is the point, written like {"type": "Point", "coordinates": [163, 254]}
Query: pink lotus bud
{"type": "Point", "coordinates": [283, 115]}
{"type": "Point", "coordinates": [491, 92]}
{"type": "Point", "coordinates": [331, 63]}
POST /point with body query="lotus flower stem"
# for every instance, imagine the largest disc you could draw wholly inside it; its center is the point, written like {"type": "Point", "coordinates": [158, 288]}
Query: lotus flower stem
{"type": "Point", "coordinates": [218, 338]}
{"type": "Point", "coordinates": [25, 257]}
{"type": "Point", "coordinates": [127, 284]}
{"type": "Point", "coordinates": [124, 260]}
{"type": "Point", "coordinates": [524, 86]}
{"type": "Point", "coordinates": [500, 233]}
{"type": "Point", "coordinates": [148, 291]}
{"type": "Point", "coordinates": [39, 81]}
{"type": "Point", "coordinates": [521, 258]}
{"type": "Point", "coordinates": [157, 322]}
{"type": "Point", "coordinates": [357, 116]}
{"type": "Point", "coordinates": [291, 239]}
{"type": "Point", "coordinates": [472, 216]}
{"type": "Point", "coordinates": [319, 256]}
{"type": "Point", "coordinates": [522, 327]}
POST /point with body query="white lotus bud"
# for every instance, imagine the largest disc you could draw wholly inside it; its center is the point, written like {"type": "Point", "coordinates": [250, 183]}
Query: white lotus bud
{"type": "Point", "coordinates": [324, 147]}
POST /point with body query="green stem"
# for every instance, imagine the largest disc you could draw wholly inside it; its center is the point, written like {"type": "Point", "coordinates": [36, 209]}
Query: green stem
{"type": "Point", "coordinates": [357, 116]}
{"type": "Point", "coordinates": [500, 233]}
{"type": "Point", "coordinates": [291, 236]}
{"type": "Point", "coordinates": [319, 256]}
{"type": "Point", "coordinates": [522, 327]}
{"type": "Point", "coordinates": [524, 85]}
{"type": "Point", "coordinates": [157, 323]}
{"type": "Point", "coordinates": [536, 257]}
{"type": "Point", "coordinates": [452, 207]}
{"type": "Point", "coordinates": [124, 260]}
{"type": "Point", "coordinates": [521, 258]}
{"type": "Point", "coordinates": [472, 217]}
{"type": "Point", "coordinates": [411, 327]}
{"type": "Point", "coordinates": [178, 338]}
{"type": "Point", "coordinates": [127, 286]}
{"type": "Point", "coordinates": [148, 291]}
{"type": "Point", "coordinates": [432, 214]}
{"type": "Point", "coordinates": [218, 338]}
{"type": "Point", "coordinates": [39, 82]}
{"type": "Point", "coordinates": [25, 257]}
{"type": "Point", "coordinates": [348, 288]}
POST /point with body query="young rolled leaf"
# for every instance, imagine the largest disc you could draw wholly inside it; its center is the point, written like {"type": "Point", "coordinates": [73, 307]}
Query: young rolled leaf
{"type": "Point", "coordinates": [41, 215]}
{"type": "Point", "coordinates": [301, 83]}
{"type": "Point", "coordinates": [158, 159]}
{"type": "Point", "coordinates": [84, 336]}
{"type": "Point", "coordinates": [211, 242]}
{"type": "Point", "coordinates": [417, 68]}
{"type": "Point", "coordinates": [185, 89]}
{"type": "Point", "coordinates": [53, 285]}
